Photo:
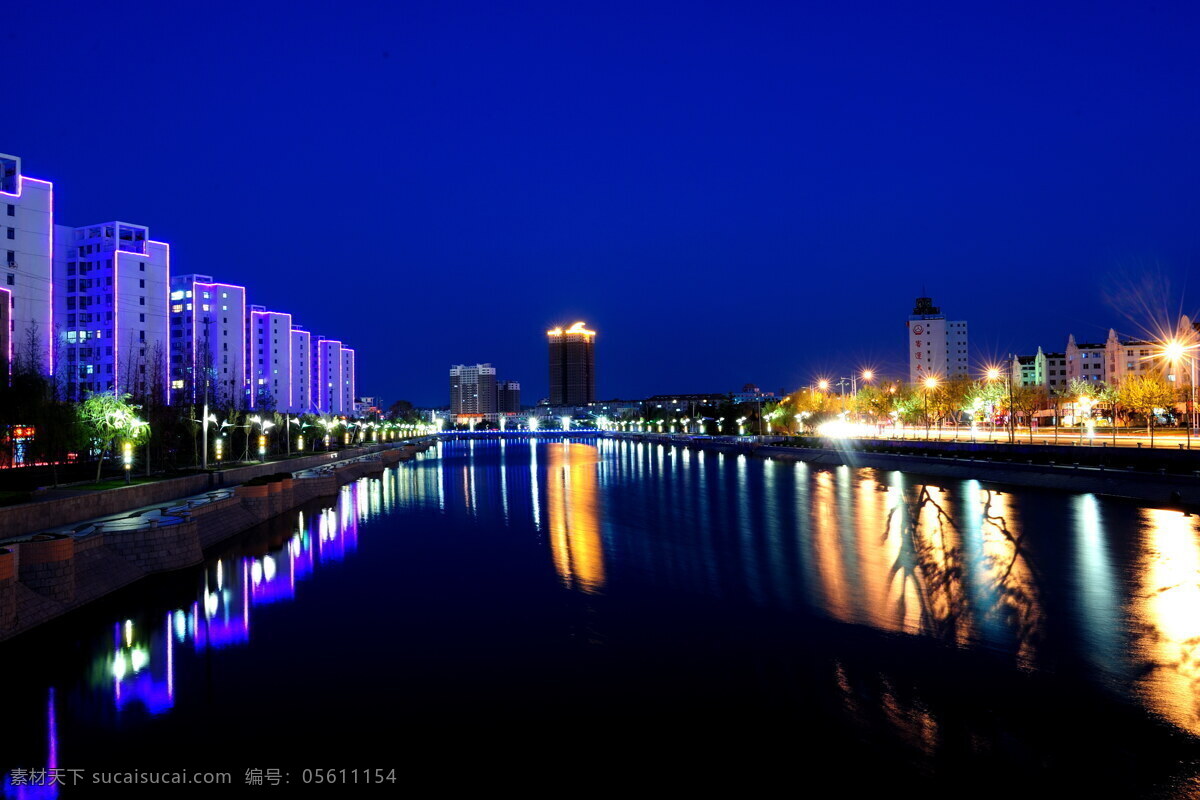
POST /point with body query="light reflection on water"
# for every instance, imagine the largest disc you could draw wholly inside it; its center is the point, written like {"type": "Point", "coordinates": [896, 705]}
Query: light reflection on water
{"type": "Point", "coordinates": [1101, 590]}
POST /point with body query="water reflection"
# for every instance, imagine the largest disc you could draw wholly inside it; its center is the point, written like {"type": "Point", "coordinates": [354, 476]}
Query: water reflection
{"type": "Point", "coordinates": [1104, 592]}
{"type": "Point", "coordinates": [572, 508]}
{"type": "Point", "coordinates": [1166, 610]}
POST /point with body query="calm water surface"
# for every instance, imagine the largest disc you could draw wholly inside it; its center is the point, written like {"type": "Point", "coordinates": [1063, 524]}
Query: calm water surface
{"type": "Point", "coordinates": [509, 616]}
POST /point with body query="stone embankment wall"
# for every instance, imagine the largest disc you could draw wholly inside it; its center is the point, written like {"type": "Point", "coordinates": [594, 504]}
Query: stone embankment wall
{"type": "Point", "coordinates": [24, 518]}
{"type": "Point", "coordinates": [1130, 473]}
{"type": "Point", "coordinates": [49, 574]}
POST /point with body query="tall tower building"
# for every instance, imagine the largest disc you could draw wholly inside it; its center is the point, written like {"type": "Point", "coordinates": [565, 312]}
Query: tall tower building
{"type": "Point", "coordinates": [269, 358]}
{"type": "Point", "coordinates": [27, 226]}
{"type": "Point", "coordinates": [937, 347]}
{"type": "Point", "coordinates": [572, 365]}
{"type": "Point", "coordinates": [472, 390]}
{"type": "Point", "coordinates": [508, 397]}
{"type": "Point", "coordinates": [208, 338]}
{"type": "Point", "coordinates": [110, 309]}
{"type": "Point", "coordinates": [301, 366]}
{"type": "Point", "coordinates": [347, 387]}
{"type": "Point", "coordinates": [326, 376]}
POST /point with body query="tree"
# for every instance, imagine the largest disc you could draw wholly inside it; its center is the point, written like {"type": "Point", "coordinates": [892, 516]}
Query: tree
{"type": "Point", "coordinates": [108, 417]}
{"type": "Point", "coordinates": [399, 410]}
{"type": "Point", "coordinates": [1109, 396]}
{"type": "Point", "coordinates": [1027, 401]}
{"type": "Point", "coordinates": [1144, 395]}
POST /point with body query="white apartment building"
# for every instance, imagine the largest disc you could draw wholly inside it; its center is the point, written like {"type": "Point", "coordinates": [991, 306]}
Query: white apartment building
{"type": "Point", "coordinates": [269, 358]}
{"type": "Point", "coordinates": [937, 347]}
{"type": "Point", "coordinates": [208, 337]}
{"type": "Point", "coordinates": [301, 371]}
{"type": "Point", "coordinates": [326, 373]}
{"type": "Point", "coordinates": [27, 220]}
{"type": "Point", "coordinates": [1087, 361]}
{"type": "Point", "coordinates": [110, 309]}
{"type": "Point", "coordinates": [473, 390]}
{"type": "Point", "coordinates": [1047, 370]}
{"type": "Point", "coordinates": [347, 385]}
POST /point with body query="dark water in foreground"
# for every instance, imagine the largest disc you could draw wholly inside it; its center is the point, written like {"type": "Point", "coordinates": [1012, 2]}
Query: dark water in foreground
{"type": "Point", "coordinates": [502, 617]}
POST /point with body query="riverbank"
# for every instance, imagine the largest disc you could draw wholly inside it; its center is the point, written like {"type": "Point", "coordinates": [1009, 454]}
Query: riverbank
{"type": "Point", "coordinates": [48, 574]}
{"type": "Point", "coordinates": [1163, 477]}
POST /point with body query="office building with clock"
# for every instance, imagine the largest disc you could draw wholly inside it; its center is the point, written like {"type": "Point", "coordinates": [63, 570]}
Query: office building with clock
{"type": "Point", "coordinates": [937, 347]}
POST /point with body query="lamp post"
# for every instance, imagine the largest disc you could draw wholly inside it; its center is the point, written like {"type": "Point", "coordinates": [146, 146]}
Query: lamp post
{"type": "Point", "coordinates": [930, 384]}
{"type": "Point", "coordinates": [127, 458]}
{"type": "Point", "coordinates": [993, 374]}
{"type": "Point", "coordinates": [1176, 351]}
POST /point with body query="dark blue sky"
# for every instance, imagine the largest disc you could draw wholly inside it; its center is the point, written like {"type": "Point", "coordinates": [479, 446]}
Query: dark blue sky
{"type": "Point", "coordinates": [726, 192]}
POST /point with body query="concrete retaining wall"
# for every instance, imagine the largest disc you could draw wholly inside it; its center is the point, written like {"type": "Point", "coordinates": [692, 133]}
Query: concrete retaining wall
{"type": "Point", "coordinates": [1164, 489]}
{"type": "Point", "coordinates": [31, 517]}
{"type": "Point", "coordinates": [51, 574]}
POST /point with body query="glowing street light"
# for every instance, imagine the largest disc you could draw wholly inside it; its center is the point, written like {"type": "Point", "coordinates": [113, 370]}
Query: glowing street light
{"type": "Point", "coordinates": [1176, 351]}
{"type": "Point", "coordinates": [930, 383]}
{"type": "Point", "coordinates": [994, 374]}
{"type": "Point", "coordinates": [127, 458]}
{"type": "Point", "coordinates": [741, 423]}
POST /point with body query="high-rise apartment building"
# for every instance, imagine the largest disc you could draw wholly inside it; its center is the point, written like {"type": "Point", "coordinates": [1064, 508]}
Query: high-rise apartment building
{"type": "Point", "coordinates": [508, 397]}
{"type": "Point", "coordinates": [347, 381]}
{"type": "Point", "coordinates": [472, 390]}
{"type": "Point", "coordinates": [269, 359]}
{"type": "Point", "coordinates": [326, 376]}
{"type": "Point", "coordinates": [110, 309]}
{"type": "Point", "coordinates": [208, 341]}
{"type": "Point", "coordinates": [572, 365]}
{"type": "Point", "coordinates": [937, 347]}
{"type": "Point", "coordinates": [27, 227]}
{"type": "Point", "coordinates": [301, 369]}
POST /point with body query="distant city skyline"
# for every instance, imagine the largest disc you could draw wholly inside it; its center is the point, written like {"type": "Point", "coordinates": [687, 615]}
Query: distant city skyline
{"type": "Point", "coordinates": [753, 196]}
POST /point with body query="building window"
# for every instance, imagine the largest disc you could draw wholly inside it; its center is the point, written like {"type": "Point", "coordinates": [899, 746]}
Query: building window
{"type": "Point", "coordinates": [12, 233]}
{"type": "Point", "coordinates": [12, 279]}
{"type": "Point", "coordinates": [142, 301]}
{"type": "Point", "coordinates": [141, 283]}
{"type": "Point", "coordinates": [12, 210]}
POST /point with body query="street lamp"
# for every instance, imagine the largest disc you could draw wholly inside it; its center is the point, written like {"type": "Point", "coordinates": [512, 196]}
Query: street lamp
{"type": "Point", "coordinates": [741, 423]}
{"type": "Point", "coordinates": [931, 383]}
{"type": "Point", "coordinates": [127, 458]}
{"type": "Point", "coordinates": [993, 374]}
{"type": "Point", "coordinates": [1175, 351]}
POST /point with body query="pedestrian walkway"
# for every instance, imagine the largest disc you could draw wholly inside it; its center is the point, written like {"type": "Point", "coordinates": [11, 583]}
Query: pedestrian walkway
{"type": "Point", "coordinates": [160, 514]}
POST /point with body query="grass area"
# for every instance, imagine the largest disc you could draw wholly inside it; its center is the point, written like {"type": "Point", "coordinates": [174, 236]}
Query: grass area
{"type": "Point", "coordinates": [14, 498]}
{"type": "Point", "coordinates": [117, 483]}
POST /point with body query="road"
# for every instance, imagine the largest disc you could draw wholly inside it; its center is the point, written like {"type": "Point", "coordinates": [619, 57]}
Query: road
{"type": "Point", "coordinates": [1173, 438]}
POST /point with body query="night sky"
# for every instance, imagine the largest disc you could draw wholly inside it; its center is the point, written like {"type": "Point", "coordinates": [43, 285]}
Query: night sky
{"type": "Point", "coordinates": [728, 193]}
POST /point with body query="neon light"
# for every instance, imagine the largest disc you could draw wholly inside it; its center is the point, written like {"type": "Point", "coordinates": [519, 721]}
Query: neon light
{"type": "Point", "coordinates": [166, 320]}
{"type": "Point", "coordinates": [116, 320]}
{"type": "Point", "coordinates": [51, 336]}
